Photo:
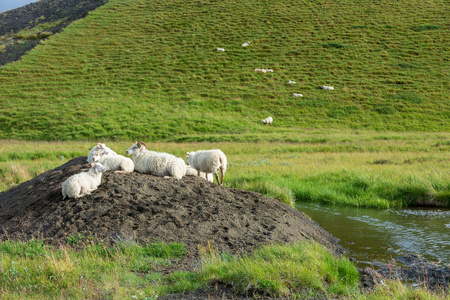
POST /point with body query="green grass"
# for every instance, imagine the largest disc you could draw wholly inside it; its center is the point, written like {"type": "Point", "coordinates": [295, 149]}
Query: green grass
{"type": "Point", "coordinates": [33, 270]}
{"type": "Point", "coordinates": [363, 169]}
{"type": "Point", "coordinates": [141, 69]}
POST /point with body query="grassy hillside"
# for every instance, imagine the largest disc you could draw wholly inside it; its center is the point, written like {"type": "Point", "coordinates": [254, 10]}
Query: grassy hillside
{"type": "Point", "coordinates": [149, 69]}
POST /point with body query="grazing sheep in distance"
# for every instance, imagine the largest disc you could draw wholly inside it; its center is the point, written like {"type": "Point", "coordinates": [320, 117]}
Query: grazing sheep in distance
{"type": "Point", "coordinates": [190, 171]}
{"type": "Point", "coordinates": [263, 70]}
{"type": "Point", "coordinates": [245, 44]}
{"type": "Point", "coordinates": [267, 120]}
{"type": "Point", "coordinates": [83, 183]}
{"type": "Point", "coordinates": [99, 147]}
{"type": "Point", "coordinates": [220, 49]}
{"type": "Point", "coordinates": [156, 163]}
{"type": "Point", "coordinates": [291, 82]}
{"type": "Point", "coordinates": [114, 162]}
{"type": "Point", "coordinates": [208, 161]}
{"type": "Point", "coordinates": [326, 87]}
{"type": "Point", "coordinates": [297, 95]}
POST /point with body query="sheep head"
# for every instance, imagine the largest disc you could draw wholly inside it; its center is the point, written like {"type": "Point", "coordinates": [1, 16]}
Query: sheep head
{"type": "Point", "coordinates": [136, 149]}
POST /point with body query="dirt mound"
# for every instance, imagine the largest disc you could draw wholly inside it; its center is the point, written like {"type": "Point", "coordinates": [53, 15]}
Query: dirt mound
{"type": "Point", "coordinates": [142, 207]}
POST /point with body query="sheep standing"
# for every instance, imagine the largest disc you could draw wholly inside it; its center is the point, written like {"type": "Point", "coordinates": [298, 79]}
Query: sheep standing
{"type": "Point", "coordinates": [114, 162]}
{"type": "Point", "coordinates": [190, 171]}
{"type": "Point", "coordinates": [246, 44]}
{"type": "Point", "coordinates": [208, 161]}
{"type": "Point", "coordinates": [156, 163]}
{"type": "Point", "coordinates": [83, 183]}
{"type": "Point", "coordinates": [267, 120]}
{"type": "Point", "coordinates": [99, 147]}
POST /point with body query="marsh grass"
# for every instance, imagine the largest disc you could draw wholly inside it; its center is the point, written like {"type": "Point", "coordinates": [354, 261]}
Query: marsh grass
{"type": "Point", "coordinates": [362, 169]}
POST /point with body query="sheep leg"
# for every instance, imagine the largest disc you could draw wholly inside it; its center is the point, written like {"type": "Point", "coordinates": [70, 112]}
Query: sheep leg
{"type": "Point", "coordinates": [120, 171]}
{"type": "Point", "coordinates": [198, 173]}
{"type": "Point", "coordinates": [217, 178]}
{"type": "Point", "coordinates": [222, 175]}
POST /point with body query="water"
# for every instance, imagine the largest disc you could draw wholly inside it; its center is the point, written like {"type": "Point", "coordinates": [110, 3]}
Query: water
{"type": "Point", "coordinates": [375, 236]}
{"type": "Point", "coordinates": [11, 4]}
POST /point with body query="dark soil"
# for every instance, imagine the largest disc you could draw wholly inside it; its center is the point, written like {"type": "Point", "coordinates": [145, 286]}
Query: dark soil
{"type": "Point", "coordinates": [146, 208]}
{"type": "Point", "coordinates": [27, 17]}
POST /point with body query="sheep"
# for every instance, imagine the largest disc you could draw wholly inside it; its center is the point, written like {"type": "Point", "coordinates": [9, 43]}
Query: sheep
{"type": "Point", "coordinates": [99, 147]}
{"type": "Point", "coordinates": [291, 82]}
{"type": "Point", "coordinates": [326, 87]}
{"type": "Point", "coordinates": [190, 171]}
{"type": "Point", "coordinates": [297, 95]}
{"type": "Point", "coordinates": [263, 70]}
{"type": "Point", "coordinates": [156, 163]}
{"type": "Point", "coordinates": [220, 49]}
{"type": "Point", "coordinates": [208, 161]}
{"type": "Point", "coordinates": [83, 183]}
{"type": "Point", "coordinates": [114, 162]}
{"type": "Point", "coordinates": [267, 120]}
{"type": "Point", "coordinates": [245, 44]}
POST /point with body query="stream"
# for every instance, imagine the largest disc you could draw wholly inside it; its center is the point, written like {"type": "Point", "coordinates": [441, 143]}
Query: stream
{"type": "Point", "coordinates": [374, 236]}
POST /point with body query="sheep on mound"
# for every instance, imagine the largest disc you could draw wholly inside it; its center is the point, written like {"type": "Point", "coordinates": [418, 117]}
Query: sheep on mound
{"type": "Point", "coordinates": [208, 161]}
{"type": "Point", "coordinates": [83, 183]}
{"type": "Point", "coordinates": [156, 163]}
{"type": "Point", "coordinates": [144, 207]}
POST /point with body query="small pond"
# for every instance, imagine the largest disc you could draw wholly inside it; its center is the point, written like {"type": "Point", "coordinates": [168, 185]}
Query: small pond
{"type": "Point", "coordinates": [374, 236]}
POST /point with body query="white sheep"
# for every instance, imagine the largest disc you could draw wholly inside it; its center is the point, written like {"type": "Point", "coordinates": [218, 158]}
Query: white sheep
{"type": "Point", "coordinates": [291, 82]}
{"type": "Point", "coordinates": [99, 147]}
{"type": "Point", "coordinates": [326, 87]}
{"type": "Point", "coordinates": [263, 70]}
{"type": "Point", "coordinates": [267, 120]}
{"type": "Point", "coordinates": [297, 95]}
{"type": "Point", "coordinates": [190, 171]}
{"type": "Point", "coordinates": [208, 161]}
{"type": "Point", "coordinates": [245, 44]}
{"type": "Point", "coordinates": [114, 162]}
{"type": "Point", "coordinates": [156, 163]}
{"type": "Point", "coordinates": [83, 183]}
{"type": "Point", "coordinates": [220, 49]}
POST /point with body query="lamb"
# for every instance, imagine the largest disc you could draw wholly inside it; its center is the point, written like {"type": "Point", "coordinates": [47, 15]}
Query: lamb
{"type": "Point", "coordinates": [83, 183]}
{"type": "Point", "coordinates": [220, 49]}
{"type": "Point", "coordinates": [190, 171]}
{"type": "Point", "coordinates": [245, 44]}
{"type": "Point", "coordinates": [291, 82]}
{"type": "Point", "coordinates": [114, 162]}
{"type": "Point", "coordinates": [208, 161]}
{"type": "Point", "coordinates": [156, 163]}
{"type": "Point", "coordinates": [326, 87]}
{"type": "Point", "coordinates": [297, 95]}
{"type": "Point", "coordinates": [267, 120]}
{"type": "Point", "coordinates": [99, 147]}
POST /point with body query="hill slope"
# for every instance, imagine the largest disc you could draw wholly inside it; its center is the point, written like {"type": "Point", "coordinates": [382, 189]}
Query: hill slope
{"type": "Point", "coordinates": [149, 69]}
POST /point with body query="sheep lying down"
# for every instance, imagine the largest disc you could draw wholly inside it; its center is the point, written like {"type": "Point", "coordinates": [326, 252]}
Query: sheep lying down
{"type": "Point", "coordinates": [101, 148]}
{"type": "Point", "coordinates": [83, 183]}
{"type": "Point", "coordinates": [156, 163]}
{"type": "Point", "coordinates": [208, 161]}
{"type": "Point", "coordinates": [113, 162]}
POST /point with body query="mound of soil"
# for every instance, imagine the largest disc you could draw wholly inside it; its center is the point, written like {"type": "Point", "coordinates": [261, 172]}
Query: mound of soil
{"type": "Point", "coordinates": [31, 15]}
{"type": "Point", "coordinates": [146, 208]}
